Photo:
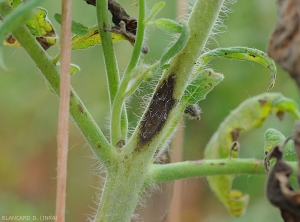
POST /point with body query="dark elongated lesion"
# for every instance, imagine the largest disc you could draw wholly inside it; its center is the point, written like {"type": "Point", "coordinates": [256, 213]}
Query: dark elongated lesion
{"type": "Point", "coordinates": [158, 111]}
{"type": "Point", "coordinates": [124, 23]}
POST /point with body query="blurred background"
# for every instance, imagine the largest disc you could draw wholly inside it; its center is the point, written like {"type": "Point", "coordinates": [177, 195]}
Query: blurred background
{"type": "Point", "coordinates": [28, 120]}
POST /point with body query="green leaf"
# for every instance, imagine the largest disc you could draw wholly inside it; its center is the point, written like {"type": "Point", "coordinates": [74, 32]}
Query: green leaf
{"type": "Point", "coordinates": [239, 53]}
{"type": "Point", "coordinates": [179, 44]}
{"type": "Point", "coordinates": [247, 116]}
{"type": "Point", "coordinates": [155, 9]}
{"type": "Point", "coordinates": [14, 19]}
{"type": "Point", "coordinates": [205, 81]}
{"type": "Point", "coordinates": [77, 28]}
{"type": "Point", "coordinates": [166, 25]}
{"type": "Point", "coordinates": [92, 38]}
{"type": "Point", "coordinates": [275, 138]}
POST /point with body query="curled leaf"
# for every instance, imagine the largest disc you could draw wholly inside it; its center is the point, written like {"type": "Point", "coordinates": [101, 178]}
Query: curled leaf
{"type": "Point", "coordinates": [41, 27]}
{"type": "Point", "coordinates": [248, 115]}
{"type": "Point", "coordinates": [240, 53]}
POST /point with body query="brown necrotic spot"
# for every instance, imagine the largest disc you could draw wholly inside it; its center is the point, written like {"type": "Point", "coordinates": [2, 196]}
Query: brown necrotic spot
{"type": "Point", "coordinates": [121, 143]}
{"type": "Point", "coordinates": [80, 108]}
{"type": "Point", "coordinates": [10, 39]}
{"type": "Point", "coordinates": [262, 101]}
{"type": "Point", "coordinates": [161, 104]}
{"type": "Point", "coordinates": [280, 115]}
{"type": "Point", "coordinates": [235, 134]}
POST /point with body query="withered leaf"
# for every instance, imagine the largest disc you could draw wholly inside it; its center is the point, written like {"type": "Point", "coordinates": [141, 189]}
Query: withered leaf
{"type": "Point", "coordinates": [285, 41]}
{"type": "Point", "coordinates": [279, 190]}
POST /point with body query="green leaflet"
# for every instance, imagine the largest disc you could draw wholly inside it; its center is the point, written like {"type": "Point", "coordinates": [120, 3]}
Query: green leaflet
{"type": "Point", "coordinates": [155, 9]}
{"type": "Point", "coordinates": [171, 52]}
{"type": "Point", "coordinates": [179, 44]}
{"type": "Point", "coordinates": [239, 53]}
{"type": "Point", "coordinates": [248, 115]}
{"type": "Point", "coordinates": [166, 25]}
{"type": "Point", "coordinates": [77, 28]}
{"type": "Point", "coordinates": [205, 81]}
{"type": "Point", "coordinates": [274, 138]}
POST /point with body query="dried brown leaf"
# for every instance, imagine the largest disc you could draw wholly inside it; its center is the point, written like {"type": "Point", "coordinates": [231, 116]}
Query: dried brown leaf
{"type": "Point", "coordinates": [279, 190]}
{"type": "Point", "coordinates": [285, 41]}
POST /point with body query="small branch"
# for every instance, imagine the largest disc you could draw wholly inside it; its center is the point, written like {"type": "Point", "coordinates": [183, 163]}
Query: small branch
{"type": "Point", "coordinates": [64, 106]}
{"type": "Point", "coordinates": [111, 68]}
{"type": "Point", "coordinates": [160, 173]}
{"type": "Point", "coordinates": [112, 72]}
{"type": "Point", "coordinates": [117, 126]}
{"type": "Point", "coordinates": [138, 45]}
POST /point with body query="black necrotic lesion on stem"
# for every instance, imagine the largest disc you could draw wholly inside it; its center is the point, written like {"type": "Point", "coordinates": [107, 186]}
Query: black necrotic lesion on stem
{"type": "Point", "coordinates": [158, 111]}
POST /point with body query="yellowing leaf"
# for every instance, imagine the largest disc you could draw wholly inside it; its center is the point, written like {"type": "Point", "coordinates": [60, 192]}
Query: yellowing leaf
{"type": "Point", "coordinates": [41, 27]}
{"type": "Point", "coordinates": [249, 115]}
{"type": "Point", "coordinates": [92, 38]}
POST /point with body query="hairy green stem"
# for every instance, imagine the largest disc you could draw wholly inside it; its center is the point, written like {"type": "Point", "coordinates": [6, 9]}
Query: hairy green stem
{"type": "Point", "coordinates": [108, 49]}
{"type": "Point", "coordinates": [79, 113]}
{"type": "Point", "coordinates": [175, 78]}
{"type": "Point", "coordinates": [112, 72]}
{"type": "Point", "coordinates": [139, 40]}
{"type": "Point", "coordinates": [116, 123]}
{"type": "Point", "coordinates": [160, 173]}
{"type": "Point", "coordinates": [129, 176]}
